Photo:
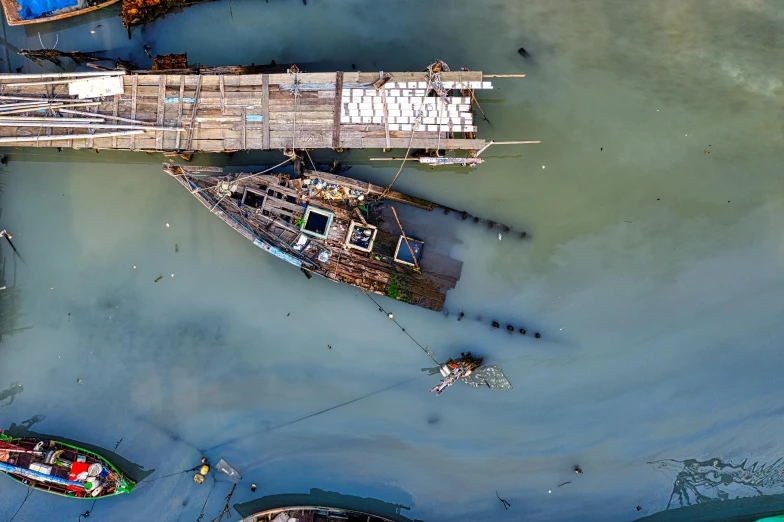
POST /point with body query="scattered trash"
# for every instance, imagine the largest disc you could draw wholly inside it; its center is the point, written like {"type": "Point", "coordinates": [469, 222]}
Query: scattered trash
{"type": "Point", "coordinates": [92, 31]}
{"type": "Point", "coordinates": [542, 167]}
{"type": "Point", "coordinates": [158, 278]}
{"type": "Point", "coordinates": [198, 478]}
{"type": "Point", "coordinates": [134, 267]}
{"type": "Point", "coordinates": [253, 487]}
{"type": "Point", "coordinates": [79, 381]}
{"type": "Point", "coordinates": [500, 237]}
{"type": "Point", "coordinates": [549, 490]}
{"type": "Point", "coordinates": [706, 152]}
{"type": "Point", "coordinates": [329, 346]}
{"type": "Point", "coordinates": [565, 483]}
{"type": "Point", "coordinates": [639, 508]}
{"type": "Point", "coordinates": [147, 51]}
{"type": "Point", "coordinates": [537, 335]}
{"type": "Point", "coordinates": [578, 470]}
{"type": "Point", "coordinates": [176, 248]}
{"type": "Point", "coordinates": [288, 314]}
{"type": "Point", "coordinates": [391, 316]}
{"type": "Point", "coordinates": [172, 275]}
{"type": "Point", "coordinates": [225, 468]}
{"type": "Point", "coordinates": [506, 504]}
{"type": "Point", "coordinates": [167, 225]}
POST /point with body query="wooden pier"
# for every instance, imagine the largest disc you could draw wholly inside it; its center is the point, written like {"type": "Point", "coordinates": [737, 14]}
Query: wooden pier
{"type": "Point", "coordinates": [220, 110]}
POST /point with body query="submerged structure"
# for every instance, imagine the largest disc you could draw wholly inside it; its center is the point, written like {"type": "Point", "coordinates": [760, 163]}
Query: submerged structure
{"type": "Point", "coordinates": [141, 12]}
{"type": "Point", "coordinates": [469, 369]}
{"type": "Point", "coordinates": [335, 227]}
{"type": "Point", "coordinates": [23, 12]}
{"type": "Point", "coordinates": [225, 109]}
{"type": "Point", "coordinates": [61, 468]}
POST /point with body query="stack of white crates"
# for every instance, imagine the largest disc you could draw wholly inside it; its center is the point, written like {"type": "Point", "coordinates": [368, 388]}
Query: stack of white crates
{"type": "Point", "coordinates": [405, 101]}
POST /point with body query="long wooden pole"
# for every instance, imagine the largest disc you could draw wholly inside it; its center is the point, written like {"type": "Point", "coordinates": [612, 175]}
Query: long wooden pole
{"type": "Point", "coordinates": [193, 114]}
{"type": "Point", "coordinates": [74, 125]}
{"type": "Point", "coordinates": [61, 75]}
{"type": "Point", "coordinates": [66, 137]}
{"type": "Point", "coordinates": [403, 233]}
{"type": "Point", "coordinates": [108, 117]}
{"type": "Point", "coordinates": [503, 76]}
{"type": "Point", "coordinates": [52, 118]}
{"type": "Point", "coordinates": [54, 106]}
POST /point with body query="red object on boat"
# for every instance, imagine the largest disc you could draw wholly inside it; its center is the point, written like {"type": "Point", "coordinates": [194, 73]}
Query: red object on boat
{"type": "Point", "coordinates": [76, 469]}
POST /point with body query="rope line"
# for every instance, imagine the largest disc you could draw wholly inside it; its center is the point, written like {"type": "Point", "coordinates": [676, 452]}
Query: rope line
{"type": "Point", "coordinates": [29, 492]}
{"type": "Point", "coordinates": [392, 318]}
{"type": "Point", "coordinates": [413, 130]}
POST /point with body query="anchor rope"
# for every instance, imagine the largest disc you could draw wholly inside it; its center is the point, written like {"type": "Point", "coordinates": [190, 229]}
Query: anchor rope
{"type": "Point", "coordinates": [392, 318]}
{"type": "Point", "coordinates": [29, 492]}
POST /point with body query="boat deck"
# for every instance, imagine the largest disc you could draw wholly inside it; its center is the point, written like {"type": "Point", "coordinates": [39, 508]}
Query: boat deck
{"type": "Point", "coordinates": [274, 211]}
{"type": "Point", "coordinates": [182, 112]}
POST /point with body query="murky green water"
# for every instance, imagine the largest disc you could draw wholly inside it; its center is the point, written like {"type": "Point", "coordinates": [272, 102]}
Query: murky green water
{"type": "Point", "coordinates": [653, 271]}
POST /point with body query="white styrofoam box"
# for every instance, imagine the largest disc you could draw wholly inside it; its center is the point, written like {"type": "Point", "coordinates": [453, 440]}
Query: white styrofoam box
{"type": "Point", "coordinates": [390, 85]}
{"type": "Point", "coordinates": [345, 119]}
{"type": "Point", "coordinates": [366, 112]}
{"type": "Point", "coordinates": [367, 119]}
{"type": "Point", "coordinates": [365, 105]}
{"type": "Point", "coordinates": [428, 120]}
{"type": "Point", "coordinates": [355, 119]}
{"type": "Point", "coordinates": [95, 87]}
{"type": "Point", "coordinates": [430, 128]}
{"type": "Point", "coordinates": [391, 113]}
{"type": "Point", "coordinates": [464, 108]}
{"type": "Point", "coordinates": [370, 93]}
{"type": "Point", "coordinates": [407, 92]}
{"type": "Point", "coordinates": [394, 92]}
{"type": "Point", "coordinates": [406, 127]}
{"type": "Point", "coordinates": [487, 85]}
{"type": "Point", "coordinates": [394, 126]}
{"type": "Point", "coordinates": [407, 112]}
{"type": "Point", "coordinates": [419, 92]}
{"type": "Point", "coordinates": [46, 469]}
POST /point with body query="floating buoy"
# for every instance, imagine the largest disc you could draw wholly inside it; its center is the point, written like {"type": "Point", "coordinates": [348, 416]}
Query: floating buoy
{"type": "Point", "coordinates": [204, 469]}
{"type": "Point", "coordinates": [253, 487]}
{"type": "Point", "coordinates": [496, 325]}
{"type": "Point", "coordinates": [391, 316]}
{"type": "Point", "coordinates": [537, 335]}
{"type": "Point", "coordinates": [510, 328]}
{"type": "Point", "coordinates": [522, 331]}
{"type": "Point", "coordinates": [198, 478]}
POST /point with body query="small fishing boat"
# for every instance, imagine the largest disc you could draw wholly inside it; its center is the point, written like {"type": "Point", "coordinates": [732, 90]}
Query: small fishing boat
{"type": "Point", "coordinates": [313, 514]}
{"type": "Point", "coordinates": [336, 227]}
{"type": "Point", "coordinates": [61, 468]}
{"type": "Point", "coordinates": [468, 368]}
{"type": "Point", "coordinates": [22, 12]}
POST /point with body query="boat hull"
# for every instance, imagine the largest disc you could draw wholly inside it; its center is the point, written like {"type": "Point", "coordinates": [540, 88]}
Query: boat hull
{"type": "Point", "coordinates": [12, 16]}
{"type": "Point", "coordinates": [61, 469]}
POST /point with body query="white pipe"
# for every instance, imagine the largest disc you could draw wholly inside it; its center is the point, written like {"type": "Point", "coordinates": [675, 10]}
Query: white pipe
{"type": "Point", "coordinates": [61, 137]}
{"type": "Point", "coordinates": [69, 125]}
{"type": "Point", "coordinates": [85, 74]}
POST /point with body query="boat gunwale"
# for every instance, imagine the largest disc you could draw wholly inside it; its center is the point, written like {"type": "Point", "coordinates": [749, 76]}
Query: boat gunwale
{"type": "Point", "coordinates": [13, 19]}
{"type": "Point", "coordinates": [130, 483]}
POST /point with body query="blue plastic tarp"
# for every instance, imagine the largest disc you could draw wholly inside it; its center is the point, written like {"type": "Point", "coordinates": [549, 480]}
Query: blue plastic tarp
{"type": "Point", "coordinates": [31, 9]}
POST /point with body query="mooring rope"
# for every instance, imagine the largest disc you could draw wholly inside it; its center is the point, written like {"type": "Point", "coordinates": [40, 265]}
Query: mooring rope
{"type": "Point", "coordinates": [413, 130]}
{"type": "Point", "coordinates": [392, 318]}
{"type": "Point", "coordinates": [29, 492]}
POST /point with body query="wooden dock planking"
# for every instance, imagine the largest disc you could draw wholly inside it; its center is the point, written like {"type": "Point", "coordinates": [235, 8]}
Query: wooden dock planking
{"type": "Point", "coordinates": [230, 112]}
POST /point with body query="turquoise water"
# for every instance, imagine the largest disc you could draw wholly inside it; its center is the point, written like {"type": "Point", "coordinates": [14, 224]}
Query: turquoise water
{"type": "Point", "coordinates": [653, 271]}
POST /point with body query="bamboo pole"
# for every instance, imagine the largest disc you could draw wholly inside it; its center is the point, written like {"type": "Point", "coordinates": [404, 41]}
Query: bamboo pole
{"type": "Point", "coordinates": [71, 125]}
{"type": "Point", "coordinates": [47, 82]}
{"type": "Point", "coordinates": [50, 118]}
{"type": "Point", "coordinates": [66, 137]}
{"type": "Point", "coordinates": [403, 233]}
{"type": "Point", "coordinates": [52, 106]}
{"type": "Point", "coordinates": [503, 76]}
{"type": "Point", "coordinates": [108, 117]}
{"type": "Point", "coordinates": [529, 142]}
{"type": "Point", "coordinates": [85, 74]}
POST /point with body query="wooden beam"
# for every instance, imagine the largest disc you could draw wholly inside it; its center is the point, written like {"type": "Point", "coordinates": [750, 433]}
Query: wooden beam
{"type": "Point", "coordinates": [223, 96]}
{"type": "Point", "coordinates": [160, 110]}
{"type": "Point", "coordinates": [134, 83]}
{"type": "Point", "coordinates": [338, 110]}
{"type": "Point", "coordinates": [193, 113]}
{"type": "Point", "coordinates": [115, 111]}
{"type": "Point", "coordinates": [179, 110]}
{"type": "Point", "coordinates": [403, 233]}
{"type": "Point", "coordinates": [244, 131]}
{"type": "Point", "coordinates": [65, 137]}
{"type": "Point", "coordinates": [265, 115]}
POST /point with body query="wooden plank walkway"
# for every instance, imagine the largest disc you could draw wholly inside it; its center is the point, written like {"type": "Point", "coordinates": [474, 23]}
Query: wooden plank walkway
{"type": "Point", "coordinates": [186, 113]}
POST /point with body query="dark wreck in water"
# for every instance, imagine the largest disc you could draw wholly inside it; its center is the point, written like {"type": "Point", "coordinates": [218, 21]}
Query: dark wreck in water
{"type": "Point", "coordinates": [141, 12]}
{"type": "Point", "coordinates": [335, 227]}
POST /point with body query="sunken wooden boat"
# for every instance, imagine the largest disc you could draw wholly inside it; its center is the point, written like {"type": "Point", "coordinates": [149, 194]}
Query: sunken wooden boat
{"type": "Point", "coordinates": [60, 468]}
{"type": "Point", "coordinates": [314, 514]}
{"type": "Point", "coordinates": [335, 227]}
{"type": "Point", "coordinates": [141, 12]}
{"type": "Point", "coordinates": [23, 12]}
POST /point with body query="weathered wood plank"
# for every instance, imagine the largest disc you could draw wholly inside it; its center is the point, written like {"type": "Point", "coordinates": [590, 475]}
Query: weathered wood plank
{"type": "Point", "coordinates": [337, 110]}
{"type": "Point", "coordinates": [135, 86]}
{"type": "Point", "coordinates": [265, 113]}
{"type": "Point", "coordinates": [160, 111]}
